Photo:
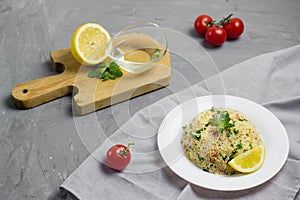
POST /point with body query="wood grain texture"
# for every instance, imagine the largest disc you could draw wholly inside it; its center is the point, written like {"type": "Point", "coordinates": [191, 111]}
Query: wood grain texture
{"type": "Point", "coordinates": [90, 94]}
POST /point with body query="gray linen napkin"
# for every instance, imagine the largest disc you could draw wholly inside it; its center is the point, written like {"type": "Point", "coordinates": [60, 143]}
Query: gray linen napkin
{"type": "Point", "coordinates": [272, 80]}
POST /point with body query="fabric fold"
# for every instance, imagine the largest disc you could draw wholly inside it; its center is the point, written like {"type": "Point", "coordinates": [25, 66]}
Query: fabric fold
{"type": "Point", "coordinates": [272, 80]}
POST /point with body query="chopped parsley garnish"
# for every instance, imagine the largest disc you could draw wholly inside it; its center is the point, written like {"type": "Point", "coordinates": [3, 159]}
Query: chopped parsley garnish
{"type": "Point", "coordinates": [223, 157]}
{"type": "Point", "coordinates": [239, 146]}
{"type": "Point", "coordinates": [235, 131]}
{"type": "Point", "coordinates": [196, 135]}
{"type": "Point", "coordinates": [200, 157]}
{"type": "Point", "coordinates": [232, 155]}
{"type": "Point", "coordinates": [250, 145]}
{"type": "Point", "coordinates": [199, 131]}
{"type": "Point", "coordinates": [221, 121]}
{"type": "Point", "coordinates": [191, 148]}
{"type": "Point", "coordinates": [228, 133]}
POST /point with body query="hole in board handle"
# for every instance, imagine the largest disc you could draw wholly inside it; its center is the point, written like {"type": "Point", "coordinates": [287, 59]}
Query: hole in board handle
{"type": "Point", "coordinates": [59, 67]}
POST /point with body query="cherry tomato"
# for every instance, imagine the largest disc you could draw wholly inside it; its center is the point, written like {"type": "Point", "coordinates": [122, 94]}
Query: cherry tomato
{"type": "Point", "coordinates": [234, 28]}
{"type": "Point", "coordinates": [118, 156]}
{"type": "Point", "coordinates": [216, 36]}
{"type": "Point", "coordinates": [200, 24]}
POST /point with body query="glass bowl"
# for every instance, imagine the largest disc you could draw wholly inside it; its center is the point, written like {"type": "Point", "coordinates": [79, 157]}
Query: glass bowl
{"type": "Point", "coordinates": [138, 47]}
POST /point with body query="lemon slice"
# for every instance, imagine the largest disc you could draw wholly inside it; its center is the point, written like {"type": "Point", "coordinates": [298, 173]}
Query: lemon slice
{"type": "Point", "coordinates": [249, 161]}
{"type": "Point", "coordinates": [88, 44]}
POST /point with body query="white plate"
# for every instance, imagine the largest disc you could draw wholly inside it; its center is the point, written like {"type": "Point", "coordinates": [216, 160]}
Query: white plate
{"type": "Point", "coordinates": [270, 128]}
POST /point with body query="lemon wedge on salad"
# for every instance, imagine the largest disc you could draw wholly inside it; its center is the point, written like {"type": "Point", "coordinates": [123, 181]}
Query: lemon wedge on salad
{"type": "Point", "coordinates": [249, 161]}
{"type": "Point", "coordinates": [88, 44]}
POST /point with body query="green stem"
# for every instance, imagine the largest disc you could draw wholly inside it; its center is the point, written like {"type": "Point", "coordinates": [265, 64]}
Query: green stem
{"type": "Point", "coordinates": [224, 20]}
{"type": "Point", "coordinates": [125, 151]}
{"type": "Point", "coordinates": [128, 145]}
{"type": "Point", "coordinates": [227, 19]}
{"type": "Point", "coordinates": [229, 16]}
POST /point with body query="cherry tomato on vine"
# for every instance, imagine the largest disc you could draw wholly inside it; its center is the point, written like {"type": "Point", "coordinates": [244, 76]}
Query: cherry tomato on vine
{"type": "Point", "coordinates": [118, 156]}
{"type": "Point", "coordinates": [234, 28]}
{"type": "Point", "coordinates": [216, 36]}
{"type": "Point", "coordinates": [201, 24]}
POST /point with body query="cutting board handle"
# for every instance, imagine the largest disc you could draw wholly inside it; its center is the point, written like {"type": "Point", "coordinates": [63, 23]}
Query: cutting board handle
{"type": "Point", "coordinates": [90, 94]}
{"type": "Point", "coordinates": [39, 91]}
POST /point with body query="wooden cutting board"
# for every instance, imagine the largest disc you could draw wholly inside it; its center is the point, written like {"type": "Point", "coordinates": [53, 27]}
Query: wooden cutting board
{"type": "Point", "coordinates": [89, 94]}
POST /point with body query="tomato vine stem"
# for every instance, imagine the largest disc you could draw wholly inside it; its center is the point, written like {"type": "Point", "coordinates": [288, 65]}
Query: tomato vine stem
{"type": "Point", "coordinates": [123, 152]}
{"type": "Point", "coordinates": [128, 145]}
{"type": "Point", "coordinates": [224, 20]}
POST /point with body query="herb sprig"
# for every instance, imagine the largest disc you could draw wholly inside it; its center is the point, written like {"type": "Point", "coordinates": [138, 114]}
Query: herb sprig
{"type": "Point", "coordinates": [106, 71]}
{"type": "Point", "coordinates": [221, 120]}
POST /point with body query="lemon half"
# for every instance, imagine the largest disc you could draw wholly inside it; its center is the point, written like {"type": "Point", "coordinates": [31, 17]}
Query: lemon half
{"type": "Point", "coordinates": [88, 44]}
{"type": "Point", "coordinates": [249, 161]}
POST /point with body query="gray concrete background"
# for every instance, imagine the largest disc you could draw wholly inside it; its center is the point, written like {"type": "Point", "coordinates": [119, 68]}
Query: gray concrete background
{"type": "Point", "coordinates": [40, 147]}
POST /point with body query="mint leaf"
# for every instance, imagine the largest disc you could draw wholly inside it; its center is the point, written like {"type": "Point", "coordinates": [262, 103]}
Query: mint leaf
{"type": "Point", "coordinates": [119, 73]}
{"type": "Point", "coordinates": [112, 76]}
{"type": "Point", "coordinates": [106, 71]}
{"type": "Point", "coordinates": [113, 64]}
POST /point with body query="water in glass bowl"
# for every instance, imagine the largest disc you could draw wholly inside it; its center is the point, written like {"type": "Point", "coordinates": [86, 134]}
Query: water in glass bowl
{"type": "Point", "coordinates": [136, 52]}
